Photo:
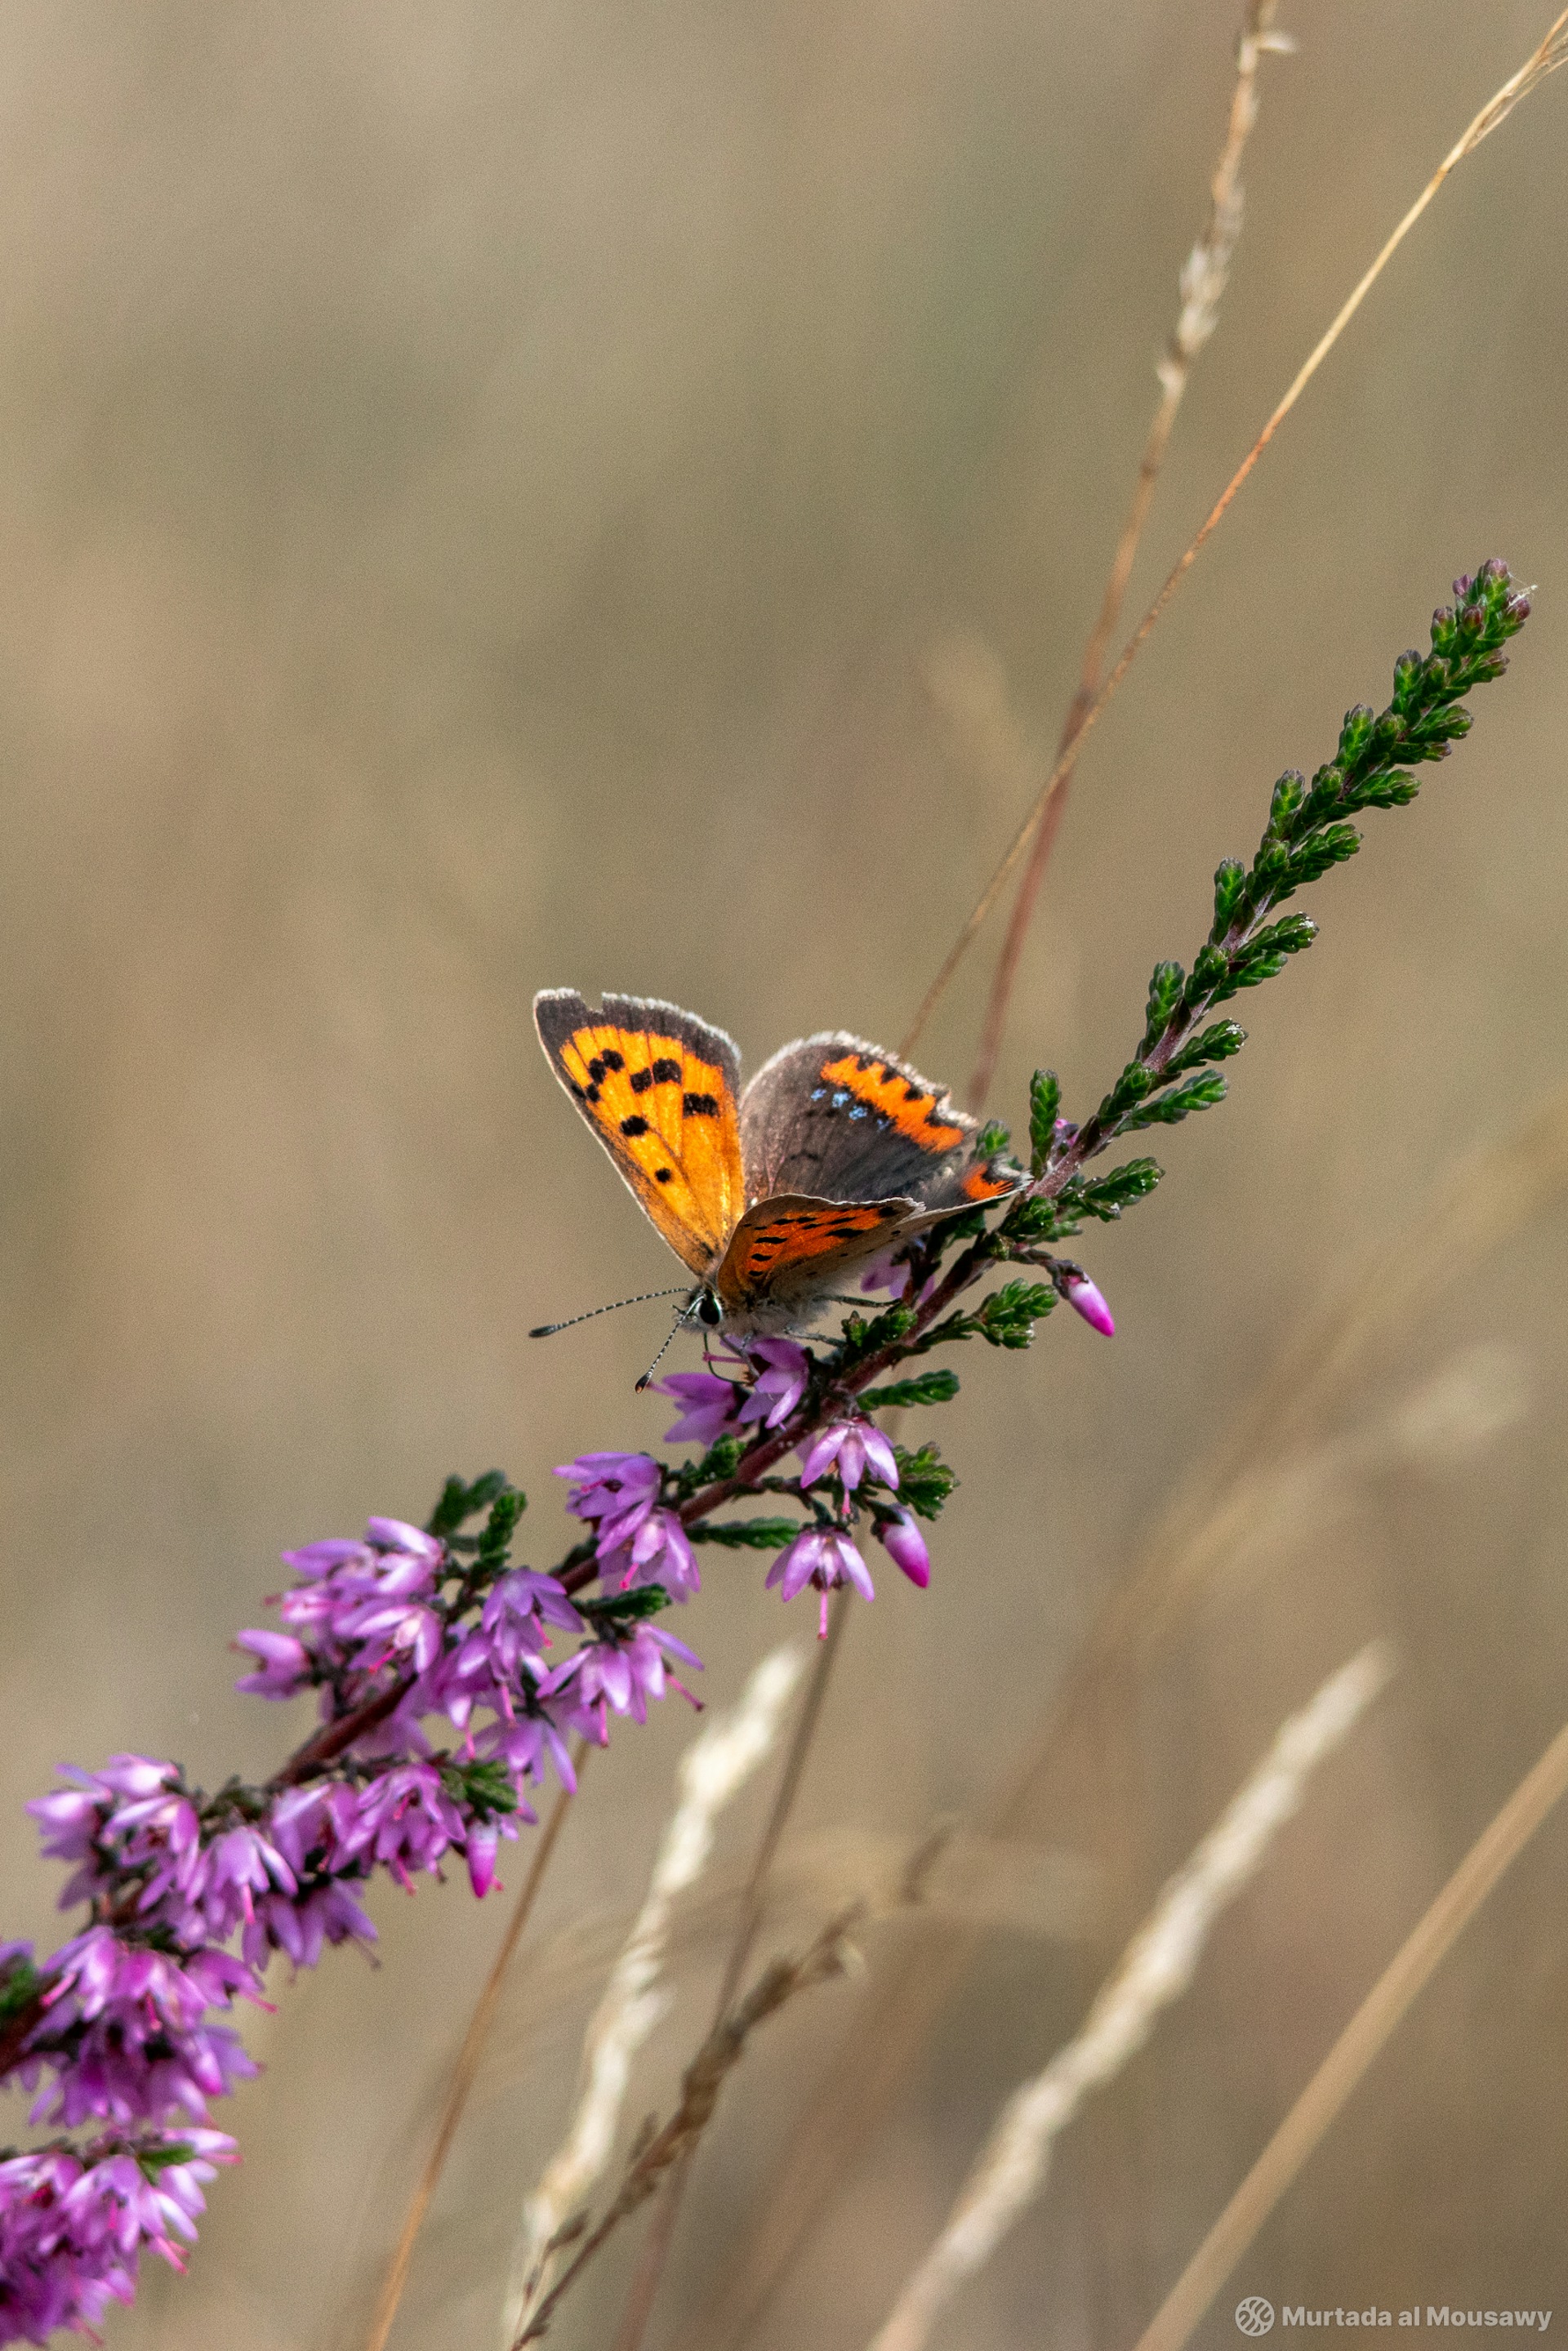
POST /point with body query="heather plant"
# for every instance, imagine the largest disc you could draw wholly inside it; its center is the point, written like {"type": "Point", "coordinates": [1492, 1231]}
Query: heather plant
{"type": "Point", "coordinates": [453, 1681]}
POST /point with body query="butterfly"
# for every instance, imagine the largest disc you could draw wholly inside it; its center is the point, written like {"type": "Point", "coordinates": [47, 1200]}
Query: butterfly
{"type": "Point", "coordinates": [834, 1153]}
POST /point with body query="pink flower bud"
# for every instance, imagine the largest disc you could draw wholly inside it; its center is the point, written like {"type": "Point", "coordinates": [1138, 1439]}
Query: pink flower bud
{"type": "Point", "coordinates": [1086, 1298]}
{"type": "Point", "coordinates": [481, 1853]}
{"type": "Point", "coordinates": [905, 1546]}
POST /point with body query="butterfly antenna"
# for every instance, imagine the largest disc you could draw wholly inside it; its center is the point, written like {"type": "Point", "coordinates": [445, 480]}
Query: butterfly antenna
{"type": "Point", "coordinates": [548, 1329]}
{"type": "Point", "coordinates": [682, 1319]}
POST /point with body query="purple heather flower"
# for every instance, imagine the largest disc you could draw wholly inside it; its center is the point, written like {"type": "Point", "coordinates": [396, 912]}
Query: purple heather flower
{"type": "Point", "coordinates": [659, 1552]}
{"type": "Point", "coordinates": [624, 1673]}
{"type": "Point", "coordinates": [377, 1592]}
{"type": "Point", "coordinates": [545, 1595]}
{"type": "Point", "coordinates": [73, 2225]}
{"type": "Point", "coordinates": [822, 1556]}
{"type": "Point", "coordinates": [883, 1272]}
{"type": "Point", "coordinates": [285, 1667]}
{"type": "Point", "coordinates": [71, 1819]}
{"type": "Point", "coordinates": [616, 1489]}
{"type": "Point", "coordinates": [239, 1864]}
{"type": "Point", "coordinates": [407, 1821]}
{"type": "Point", "coordinates": [397, 1535]}
{"type": "Point", "coordinates": [778, 1389]}
{"type": "Point", "coordinates": [709, 1406]}
{"type": "Point", "coordinates": [319, 1559]}
{"type": "Point", "coordinates": [852, 1447]}
{"type": "Point", "coordinates": [397, 1627]}
{"type": "Point", "coordinates": [1086, 1298]}
{"type": "Point", "coordinates": [313, 1827]}
{"type": "Point", "coordinates": [509, 1641]}
{"type": "Point", "coordinates": [522, 1745]}
{"type": "Point", "coordinates": [96, 1825]}
{"type": "Point", "coordinates": [890, 1271]}
{"type": "Point", "coordinates": [905, 1546]}
{"type": "Point", "coordinates": [122, 2027]}
{"type": "Point", "coordinates": [301, 1925]}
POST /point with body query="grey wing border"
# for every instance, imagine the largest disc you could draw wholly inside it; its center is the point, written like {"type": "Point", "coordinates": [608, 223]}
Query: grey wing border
{"type": "Point", "coordinates": [560, 1012]}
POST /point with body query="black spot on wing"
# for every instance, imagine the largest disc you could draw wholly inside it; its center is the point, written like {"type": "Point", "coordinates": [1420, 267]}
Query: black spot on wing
{"type": "Point", "coordinates": [664, 1074]}
{"type": "Point", "coordinates": [613, 1061]}
{"type": "Point", "coordinates": [641, 1081]}
{"type": "Point", "coordinates": [699, 1105]}
{"type": "Point", "coordinates": [662, 1174]}
{"type": "Point", "coordinates": [635, 1125]}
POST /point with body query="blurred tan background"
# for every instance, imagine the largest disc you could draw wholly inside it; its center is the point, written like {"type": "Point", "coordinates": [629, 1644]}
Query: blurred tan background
{"type": "Point", "coordinates": [478, 486]}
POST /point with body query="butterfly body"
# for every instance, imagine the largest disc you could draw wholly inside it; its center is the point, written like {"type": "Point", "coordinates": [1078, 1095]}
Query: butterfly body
{"type": "Point", "coordinates": [774, 1196]}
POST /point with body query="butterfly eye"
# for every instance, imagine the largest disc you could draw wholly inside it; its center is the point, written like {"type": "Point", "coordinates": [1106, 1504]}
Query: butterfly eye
{"type": "Point", "coordinates": [709, 1310]}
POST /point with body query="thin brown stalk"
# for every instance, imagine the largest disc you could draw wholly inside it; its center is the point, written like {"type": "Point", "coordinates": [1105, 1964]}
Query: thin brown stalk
{"type": "Point", "coordinates": [662, 2229]}
{"type": "Point", "coordinates": [1492, 1195]}
{"type": "Point", "coordinates": [466, 2066]}
{"type": "Point", "coordinates": [1375, 2022]}
{"type": "Point", "coordinates": [826, 1957]}
{"type": "Point", "coordinates": [1203, 281]}
{"type": "Point", "coordinates": [1549, 53]}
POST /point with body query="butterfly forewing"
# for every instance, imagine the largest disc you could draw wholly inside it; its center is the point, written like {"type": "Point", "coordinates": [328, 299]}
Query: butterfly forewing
{"type": "Point", "coordinates": [660, 1089]}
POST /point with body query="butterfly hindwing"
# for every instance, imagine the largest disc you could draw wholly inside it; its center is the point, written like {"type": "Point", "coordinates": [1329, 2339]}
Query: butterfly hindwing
{"type": "Point", "coordinates": [660, 1089]}
{"type": "Point", "coordinates": [790, 1249]}
{"type": "Point", "coordinates": [840, 1119]}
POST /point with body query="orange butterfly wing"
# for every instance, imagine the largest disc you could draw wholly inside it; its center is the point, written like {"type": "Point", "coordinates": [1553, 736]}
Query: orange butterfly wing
{"type": "Point", "coordinates": [793, 1248]}
{"type": "Point", "coordinates": [661, 1089]}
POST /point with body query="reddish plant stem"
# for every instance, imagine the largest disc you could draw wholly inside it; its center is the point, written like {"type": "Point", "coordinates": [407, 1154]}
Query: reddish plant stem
{"type": "Point", "coordinates": [324, 1745]}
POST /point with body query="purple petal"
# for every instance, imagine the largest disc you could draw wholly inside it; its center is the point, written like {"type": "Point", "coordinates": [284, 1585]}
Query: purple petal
{"type": "Point", "coordinates": [396, 1534]}
{"type": "Point", "coordinates": [879, 1455]}
{"type": "Point", "coordinates": [318, 1558]}
{"type": "Point", "coordinates": [818, 1454]}
{"type": "Point", "coordinates": [851, 1567]}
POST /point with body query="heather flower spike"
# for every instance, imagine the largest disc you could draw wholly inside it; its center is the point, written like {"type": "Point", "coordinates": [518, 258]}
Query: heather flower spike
{"type": "Point", "coordinates": [448, 1680]}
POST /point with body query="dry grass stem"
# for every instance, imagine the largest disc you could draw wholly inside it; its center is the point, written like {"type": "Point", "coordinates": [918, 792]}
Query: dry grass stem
{"type": "Point", "coordinates": [1549, 53]}
{"type": "Point", "coordinates": [1377, 2017]}
{"type": "Point", "coordinates": [655, 2251]}
{"type": "Point", "coordinates": [1156, 1969]}
{"type": "Point", "coordinates": [1008, 1885]}
{"type": "Point", "coordinates": [1203, 281]}
{"type": "Point", "coordinates": [466, 2066]}
{"type": "Point", "coordinates": [715, 1767]}
{"type": "Point", "coordinates": [828, 1956]}
{"type": "Point", "coordinates": [1488, 1198]}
